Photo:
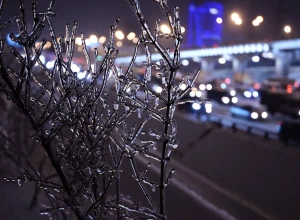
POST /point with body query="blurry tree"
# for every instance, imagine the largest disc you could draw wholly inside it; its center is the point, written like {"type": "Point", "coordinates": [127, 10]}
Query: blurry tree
{"type": "Point", "coordinates": [92, 133]}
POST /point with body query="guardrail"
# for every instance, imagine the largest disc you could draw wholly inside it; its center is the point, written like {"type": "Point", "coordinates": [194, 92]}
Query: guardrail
{"type": "Point", "coordinates": [235, 124]}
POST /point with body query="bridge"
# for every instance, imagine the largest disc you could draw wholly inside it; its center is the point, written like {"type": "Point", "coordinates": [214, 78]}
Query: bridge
{"type": "Point", "coordinates": [281, 52]}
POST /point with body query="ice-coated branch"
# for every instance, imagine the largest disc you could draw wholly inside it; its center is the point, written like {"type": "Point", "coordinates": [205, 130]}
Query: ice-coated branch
{"type": "Point", "coordinates": [96, 127]}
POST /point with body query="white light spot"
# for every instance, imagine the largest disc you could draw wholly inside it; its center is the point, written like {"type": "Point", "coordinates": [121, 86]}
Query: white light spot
{"type": "Point", "coordinates": [255, 94]}
{"type": "Point", "coordinates": [222, 60]}
{"type": "Point", "coordinates": [234, 100]}
{"type": "Point", "coordinates": [196, 106]}
{"type": "Point", "coordinates": [209, 87]}
{"type": "Point", "coordinates": [232, 93]}
{"type": "Point", "coordinates": [42, 59]}
{"type": "Point", "coordinates": [255, 59]}
{"type": "Point", "coordinates": [88, 42]}
{"type": "Point", "coordinates": [202, 87]}
{"type": "Point", "coordinates": [192, 94]}
{"type": "Point", "coordinates": [208, 105]}
{"type": "Point", "coordinates": [185, 62]}
{"type": "Point", "coordinates": [182, 86]}
{"type": "Point", "coordinates": [247, 94]}
{"type": "Point", "coordinates": [93, 39]}
{"type": "Point", "coordinates": [119, 34]}
{"type": "Point", "coordinates": [130, 36]}
{"type": "Point", "coordinates": [50, 64]}
{"type": "Point", "coordinates": [157, 89]}
{"type": "Point", "coordinates": [81, 75]}
{"type": "Point", "coordinates": [254, 115]}
{"type": "Point", "coordinates": [219, 20]}
{"type": "Point", "coordinates": [198, 94]}
{"type": "Point", "coordinates": [225, 100]}
{"type": "Point", "coordinates": [165, 29]}
{"type": "Point", "coordinates": [264, 115]}
{"type": "Point", "coordinates": [74, 67]}
{"type": "Point", "coordinates": [213, 11]}
{"type": "Point", "coordinates": [223, 86]}
{"type": "Point", "coordinates": [102, 39]}
{"type": "Point", "coordinates": [208, 110]}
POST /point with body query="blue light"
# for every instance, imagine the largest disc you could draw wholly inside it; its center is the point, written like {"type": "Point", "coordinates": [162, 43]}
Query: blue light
{"type": "Point", "coordinates": [223, 86]}
{"type": "Point", "coordinates": [11, 43]}
{"type": "Point", "coordinates": [203, 30]}
{"type": "Point", "coordinates": [239, 111]}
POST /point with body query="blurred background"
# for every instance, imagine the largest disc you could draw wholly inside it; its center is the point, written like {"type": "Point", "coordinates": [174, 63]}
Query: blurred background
{"type": "Point", "coordinates": [242, 154]}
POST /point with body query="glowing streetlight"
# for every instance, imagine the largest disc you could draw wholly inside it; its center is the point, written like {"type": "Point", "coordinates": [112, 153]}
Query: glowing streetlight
{"type": "Point", "coordinates": [235, 16]}
{"type": "Point", "coordinates": [119, 35]}
{"type": "Point", "coordinates": [222, 60]}
{"type": "Point", "coordinates": [255, 59]}
{"type": "Point", "coordinates": [259, 19]}
{"type": "Point", "coordinates": [93, 39]}
{"type": "Point", "coordinates": [219, 20]}
{"type": "Point", "coordinates": [287, 29]}
{"type": "Point", "coordinates": [88, 42]}
{"type": "Point", "coordinates": [135, 40]}
{"type": "Point", "coordinates": [182, 29]}
{"type": "Point", "coordinates": [165, 29]}
{"type": "Point", "coordinates": [102, 39]}
{"type": "Point", "coordinates": [255, 23]}
{"type": "Point", "coordinates": [119, 44]}
{"type": "Point", "coordinates": [238, 21]}
{"type": "Point", "coordinates": [78, 41]}
{"type": "Point", "coordinates": [130, 36]}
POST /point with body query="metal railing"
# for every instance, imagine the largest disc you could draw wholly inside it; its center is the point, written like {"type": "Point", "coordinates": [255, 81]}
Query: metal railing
{"type": "Point", "coordinates": [235, 125]}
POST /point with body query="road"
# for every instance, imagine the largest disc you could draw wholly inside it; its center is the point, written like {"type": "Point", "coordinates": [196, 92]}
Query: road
{"type": "Point", "coordinates": [260, 175]}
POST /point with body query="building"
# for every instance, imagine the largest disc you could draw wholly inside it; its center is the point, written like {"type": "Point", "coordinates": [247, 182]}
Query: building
{"type": "Point", "coordinates": [205, 24]}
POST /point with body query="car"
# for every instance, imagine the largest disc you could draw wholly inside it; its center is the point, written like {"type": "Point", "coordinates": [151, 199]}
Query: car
{"type": "Point", "coordinates": [249, 112]}
{"type": "Point", "coordinates": [289, 131]}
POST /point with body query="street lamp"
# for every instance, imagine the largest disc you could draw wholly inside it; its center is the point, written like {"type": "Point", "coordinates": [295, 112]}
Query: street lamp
{"type": "Point", "coordinates": [238, 21]}
{"type": "Point", "coordinates": [93, 39]}
{"type": "Point", "coordinates": [182, 29]}
{"type": "Point", "coordinates": [119, 35]}
{"type": "Point", "coordinates": [256, 22]}
{"type": "Point", "coordinates": [287, 29]}
{"type": "Point", "coordinates": [130, 36]}
{"type": "Point", "coordinates": [259, 19]}
{"type": "Point", "coordinates": [235, 17]}
{"type": "Point", "coordinates": [102, 39]}
{"type": "Point", "coordinates": [165, 29]}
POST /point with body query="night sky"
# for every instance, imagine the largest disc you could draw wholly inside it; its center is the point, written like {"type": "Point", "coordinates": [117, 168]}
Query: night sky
{"type": "Point", "coordinates": [95, 16]}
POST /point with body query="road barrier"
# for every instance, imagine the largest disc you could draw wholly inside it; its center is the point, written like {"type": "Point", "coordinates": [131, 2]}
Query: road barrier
{"type": "Point", "coordinates": [235, 125]}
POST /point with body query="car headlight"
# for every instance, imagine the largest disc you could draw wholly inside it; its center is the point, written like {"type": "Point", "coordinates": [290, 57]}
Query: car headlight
{"type": "Point", "coordinates": [254, 115]}
{"type": "Point", "coordinates": [255, 94]}
{"type": "Point", "coordinates": [208, 110]}
{"type": "Point", "coordinates": [247, 94]}
{"type": "Point", "coordinates": [264, 115]}
{"type": "Point", "coordinates": [234, 100]}
{"type": "Point", "coordinates": [192, 94]}
{"type": "Point", "coordinates": [196, 106]}
{"type": "Point", "coordinates": [225, 100]}
{"type": "Point", "coordinates": [198, 94]}
{"type": "Point", "coordinates": [232, 93]}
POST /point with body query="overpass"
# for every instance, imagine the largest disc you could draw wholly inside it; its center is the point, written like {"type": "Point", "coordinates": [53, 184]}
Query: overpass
{"type": "Point", "coordinates": [282, 52]}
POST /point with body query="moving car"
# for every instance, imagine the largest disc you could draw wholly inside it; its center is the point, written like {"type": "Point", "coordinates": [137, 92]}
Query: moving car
{"type": "Point", "coordinates": [248, 112]}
